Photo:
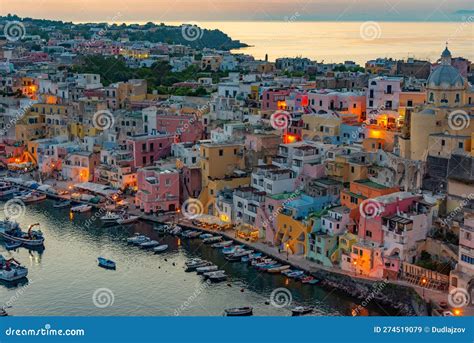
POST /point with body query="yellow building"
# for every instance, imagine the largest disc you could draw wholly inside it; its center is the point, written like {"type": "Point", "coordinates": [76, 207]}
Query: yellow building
{"type": "Point", "coordinates": [344, 170]}
{"type": "Point", "coordinates": [292, 233]}
{"type": "Point", "coordinates": [208, 193]}
{"type": "Point", "coordinates": [220, 160]}
{"type": "Point", "coordinates": [448, 110]}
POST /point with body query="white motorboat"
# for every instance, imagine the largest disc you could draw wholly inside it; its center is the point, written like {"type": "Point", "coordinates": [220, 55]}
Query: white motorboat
{"type": "Point", "coordinates": [222, 244]}
{"type": "Point", "coordinates": [7, 190]}
{"type": "Point", "coordinates": [81, 208]}
{"type": "Point", "coordinates": [110, 218]}
{"type": "Point", "coordinates": [31, 197]}
{"type": "Point", "coordinates": [11, 270]}
{"type": "Point", "coordinates": [160, 248]}
{"type": "Point", "coordinates": [137, 238]}
{"type": "Point", "coordinates": [197, 264]}
{"type": "Point", "coordinates": [149, 244]}
{"type": "Point", "coordinates": [127, 219]}
{"type": "Point", "coordinates": [211, 240]}
{"type": "Point", "coordinates": [11, 232]}
{"type": "Point", "coordinates": [207, 269]}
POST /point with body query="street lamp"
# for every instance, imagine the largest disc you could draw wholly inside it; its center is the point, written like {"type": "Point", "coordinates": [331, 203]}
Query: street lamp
{"type": "Point", "coordinates": [423, 283]}
{"type": "Point", "coordinates": [287, 248]}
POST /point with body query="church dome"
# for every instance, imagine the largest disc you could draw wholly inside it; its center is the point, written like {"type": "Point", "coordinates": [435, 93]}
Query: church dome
{"type": "Point", "coordinates": [445, 75]}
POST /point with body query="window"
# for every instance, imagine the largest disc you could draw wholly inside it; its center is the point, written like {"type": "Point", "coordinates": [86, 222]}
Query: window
{"type": "Point", "coordinates": [443, 142]}
{"type": "Point", "coordinates": [431, 97]}
{"type": "Point", "coordinates": [460, 145]}
{"type": "Point", "coordinates": [221, 152]}
{"type": "Point", "coordinates": [368, 233]}
{"type": "Point", "coordinates": [410, 103]}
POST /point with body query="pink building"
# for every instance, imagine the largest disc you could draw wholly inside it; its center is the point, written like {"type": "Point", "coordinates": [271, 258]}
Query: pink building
{"type": "Point", "coordinates": [184, 127]}
{"type": "Point", "coordinates": [274, 99]}
{"type": "Point", "coordinates": [343, 102]}
{"type": "Point", "coordinates": [146, 149]}
{"type": "Point", "coordinates": [158, 190]}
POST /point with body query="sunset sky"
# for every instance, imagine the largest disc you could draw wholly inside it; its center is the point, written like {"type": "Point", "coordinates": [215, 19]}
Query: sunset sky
{"type": "Point", "coordinates": [227, 10]}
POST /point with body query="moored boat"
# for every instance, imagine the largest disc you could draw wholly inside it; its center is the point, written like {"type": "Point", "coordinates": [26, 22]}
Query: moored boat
{"type": "Point", "coordinates": [193, 266]}
{"type": "Point", "coordinates": [7, 190]}
{"type": "Point", "coordinates": [31, 197]}
{"type": "Point", "coordinates": [296, 274]}
{"type": "Point", "coordinates": [237, 256]}
{"type": "Point", "coordinates": [251, 257]}
{"type": "Point", "coordinates": [212, 239]}
{"type": "Point", "coordinates": [105, 263]}
{"type": "Point", "coordinates": [217, 276]}
{"type": "Point", "coordinates": [301, 310]}
{"type": "Point", "coordinates": [12, 245]}
{"type": "Point", "coordinates": [278, 269]}
{"type": "Point", "coordinates": [81, 208]}
{"type": "Point", "coordinates": [207, 269]}
{"type": "Point", "coordinates": [11, 270]}
{"type": "Point", "coordinates": [231, 249]}
{"type": "Point", "coordinates": [137, 239]}
{"type": "Point", "coordinates": [149, 244]}
{"type": "Point", "coordinates": [309, 279]}
{"type": "Point", "coordinates": [238, 311]}
{"type": "Point", "coordinates": [205, 235]}
{"type": "Point", "coordinates": [11, 232]}
{"type": "Point", "coordinates": [222, 244]}
{"type": "Point", "coordinates": [160, 248]}
{"type": "Point", "coordinates": [127, 219]}
{"type": "Point", "coordinates": [110, 218]}
{"type": "Point", "coordinates": [62, 204]}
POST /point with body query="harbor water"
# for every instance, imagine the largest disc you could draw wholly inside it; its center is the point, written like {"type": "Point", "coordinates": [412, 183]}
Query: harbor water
{"type": "Point", "coordinates": [65, 280]}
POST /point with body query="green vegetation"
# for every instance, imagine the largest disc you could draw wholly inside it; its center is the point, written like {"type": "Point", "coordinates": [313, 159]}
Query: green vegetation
{"type": "Point", "coordinates": [159, 77]}
{"type": "Point", "coordinates": [428, 262]}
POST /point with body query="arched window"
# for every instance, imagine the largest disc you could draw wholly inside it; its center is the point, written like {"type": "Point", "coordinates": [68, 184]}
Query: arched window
{"type": "Point", "coordinates": [458, 98]}
{"type": "Point", "coordinates": [431, 97]}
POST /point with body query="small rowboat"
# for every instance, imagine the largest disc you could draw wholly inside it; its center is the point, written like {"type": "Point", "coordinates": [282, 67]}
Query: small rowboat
{"type": "Point", "coordinates": [205, 235]}
{"type": "Point", "coordinates": [207, 269]}
{"type": "Point", "coordinates": [238, 311]}
{"type": "Point", "coordinates": [160, 248]}
{"type": "Point", "coordinates": [105, 263]}
{"type": "Point", "coordinates": [211, 240]}
{"type": "Point", "coordinates": [296, 274]}
{"type": "Point", "coordinates": [301, 310]}
{"type": "Point", "coordinates": [278, 269]}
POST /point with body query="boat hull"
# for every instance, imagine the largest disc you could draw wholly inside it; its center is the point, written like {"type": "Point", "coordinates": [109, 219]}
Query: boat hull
{"type": "Point", "coordinates": [23, 241]}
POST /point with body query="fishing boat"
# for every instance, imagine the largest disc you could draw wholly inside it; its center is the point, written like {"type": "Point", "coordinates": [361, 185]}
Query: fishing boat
{"type": "Point", "coordinates": [278, 269]}
{"type": "Point", "coordinates": [269, 266]}
{"type": "Point", "coordinates": [237, 256]}
{"type": "Point", "coordinates": [31, 197]}
{"type": "Point", "coordinates": [11, 270]}
{"type": "Point", "coordinates": [212, 239]}
{"type": "Point", "coordinates": [110, 218]}
{"type": "Point", "coordinates": [301, 310]}
{"type": "Point", "coordinates": [296, 274]}
{"type": "Point", "coordinates": [193, 261]}
{"type": "Point", "coordinates": [12, 245]}
{"type": "Point", "coordinates": [265, 262]}
{"type": "Point", "coordinates": [62, 204]}
{"type": "Point", "coordinates": [222, 244]}
{"type": "Point", "coordinates": [7, 190]}
{"type": "Point", "coordinates": [205, 235]}
{"type": "Point", "coordinates": [12, 232]}
{"type": "Point", "coordinates": [231, 249]}
{"type": "Point", "coordinates": [149, 244]}
{"type": "Point", "coordinates": [217, 276]}
{"type": "Point", "coordinates": [206, 269]}
{"type": "Point", "coordinates": [251, 257]}
{"type": "Point", "coordinates": [81, 208]}
{"type": "Point", "coordinates": [194, 266]}
{"type": "Point", "coordinates": [127, 219]}
{"type": "Point", "coordinates": [238, 311]}
{"type": "Point", "coordinates": [309, 279]}
{"type": "Point", "coordinates": [137, 238]}
{"type": "Point", "coordinates": [105, 263]}
{"type": "Point", "coordinates": [160, 248]}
